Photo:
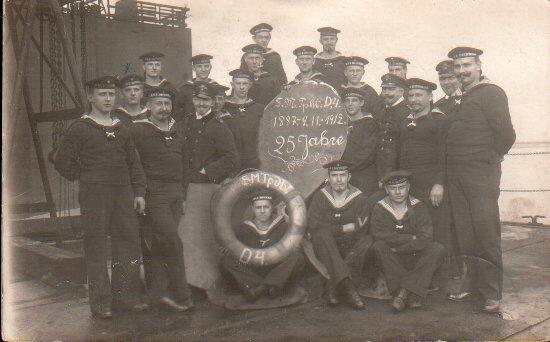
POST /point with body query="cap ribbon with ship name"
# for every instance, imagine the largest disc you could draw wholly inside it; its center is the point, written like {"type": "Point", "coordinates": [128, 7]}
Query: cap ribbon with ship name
{"type": "Point", "coordinates": [241, 73]}
{"type": "Point", "coordinates": [262, 27]}
{"type": "Point", "coordinates": [130, 80]}
{"type": "Point", "coordinates": [396, 177]}
{"type": "Point", "coordinates": [464, 51]}
{"type": "Point", "coordinates": [200, 59]}
{"type": "Point", "coordinates": [159, 92]}
{"type": "Point", "coordinates": [305, 51]}
{"type": "Point", "coordinates": [337, 165]}
{"type": "Point", "coordinates": [103, 82]}
{"type": "Point", "coordinates": [352, 92]}
{"type": "Point", "coordinates": [151, 56]}
{"type": "Point", "coordinates": [262, 195]}
{"type": "Point", "coordinates": [355, 60]}
{"type": "Point", "coordinates": [417, 83]}
{"type": "Point", "coordinates": [254, 48]}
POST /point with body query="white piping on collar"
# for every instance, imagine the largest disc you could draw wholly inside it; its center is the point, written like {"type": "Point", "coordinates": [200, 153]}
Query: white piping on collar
{"type": "Point", "coordinates": [260, 232]}
{"type": "Point", "coordinates": [301, 79]}
{"type": "Point", "coordinates": [320, 56]}
{"type": "Point", "coordinates": [114, 121]}
{"type": "Point", "coordinates": [401, 99]}
{"type": "Point", "coordinates": [356, 192]}
{"type": "Point", "coordinates": [148, 121]}
{"type": "Point", "coordinates": [143, 110]}
{"type": "Point", "coordinates": [384, 203]}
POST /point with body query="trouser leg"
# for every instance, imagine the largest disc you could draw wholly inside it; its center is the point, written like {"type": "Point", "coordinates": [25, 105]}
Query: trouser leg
{"type": "Point", "coordinates": [326, 249]}
{"type": "Point", "coordinates": [146, 246]}
{"type": "Point", "coordinates": [95, 201]}
{"type": "Point", "coordinates": [164, 210]}
{"type": "Point", "coordinates": [281, 273]}
{"type": "Point", "coordinates": [481, 182]}
{"type": "Point", "coordinates": [462, 229]}
{"type": "Point", "coordinates": [390, 264]}
{"type": "Point", "coordinates": [125, 249]}
{"type": "Point", "coordinates": [243, 275]}
{"type": "Point", "coordinates": [418, 278]}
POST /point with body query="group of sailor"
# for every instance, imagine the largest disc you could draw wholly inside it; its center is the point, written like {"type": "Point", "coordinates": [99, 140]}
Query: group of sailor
{"type": "Point", "coordinates": [415, 191]}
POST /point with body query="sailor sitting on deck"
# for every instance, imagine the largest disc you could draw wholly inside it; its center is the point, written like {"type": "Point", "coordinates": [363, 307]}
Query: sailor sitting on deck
{"type": "Point", "coordinates": [264, 230]}
{"type": "Point", "coordinates": [404, 246]}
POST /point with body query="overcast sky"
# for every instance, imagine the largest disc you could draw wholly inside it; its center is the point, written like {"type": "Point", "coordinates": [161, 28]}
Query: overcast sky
{"type": "Point", "coordinates": [513, 34]}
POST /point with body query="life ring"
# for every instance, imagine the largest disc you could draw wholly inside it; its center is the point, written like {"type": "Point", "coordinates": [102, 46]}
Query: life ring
{"type": "Point", "coordinates": [227, 196]}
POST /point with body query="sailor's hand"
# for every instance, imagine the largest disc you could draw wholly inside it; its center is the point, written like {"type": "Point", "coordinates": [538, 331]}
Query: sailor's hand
{"type": "Point", "coordinates": [436, 195]}
{"type": "Point", "coordinates": [348, 227]}
{"type": "Point", "coordinates": [139, 205]}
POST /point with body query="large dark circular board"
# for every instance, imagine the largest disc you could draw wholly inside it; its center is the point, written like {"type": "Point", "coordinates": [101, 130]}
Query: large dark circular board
{"type": "Point", "coordinates": [302, 129]}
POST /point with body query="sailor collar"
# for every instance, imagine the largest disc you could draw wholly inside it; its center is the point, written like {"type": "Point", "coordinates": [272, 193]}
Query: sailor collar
{"type": "Point", "coordinates": [143, 111]}
{"type": "Point", "coordinates": [365, 116]}
{"type": "Point", "coordinates": [361, 85]}
{"type": "Point", "coordinates": [320, 55]}
{"type": "Point", "coordinates": [401, 99]}
{"type": "Point", "coordinates": [162, 80]}
{"type": "Point", "coordinates": [248, 102]}
{"type": "Point", "coordinates": [269, 50]}
{"type": "Point", "coordinates": [208, 80]}
{"type": "Point", "coordinates": [301, 78]}
{"type": "Point", "coordinates": [354, 192]}
{"type": "Point", "coordinates": [114, 121]}
{"type": "Point", "coordinates": [270, 228]}
{"type": "Point", "coordinates": [149, 122]}
{"type": "Point", "coordinates": [483, 81]}
{"type": "Point", "coordinates": [411, 201]}
{"type": "Point", "coordinates": [261, 75]}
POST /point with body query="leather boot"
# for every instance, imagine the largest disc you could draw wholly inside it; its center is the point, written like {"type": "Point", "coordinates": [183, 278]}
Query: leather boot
{"type": "Point", "coordinates": [399, 300]}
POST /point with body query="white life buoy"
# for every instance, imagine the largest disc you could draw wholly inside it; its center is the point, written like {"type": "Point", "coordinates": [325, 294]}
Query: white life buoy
{"type": "Point", "coordinates": [226, 197]}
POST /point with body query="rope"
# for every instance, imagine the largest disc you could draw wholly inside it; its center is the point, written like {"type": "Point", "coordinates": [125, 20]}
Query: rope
{"type": "Point", "coordinates": [527, 153]}
{"type": "Point", "coordinates": [534, 190]}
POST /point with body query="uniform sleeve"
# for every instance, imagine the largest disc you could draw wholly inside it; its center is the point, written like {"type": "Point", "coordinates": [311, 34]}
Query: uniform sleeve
{"type": "Point", "coordinates": [424, 231]}
{"type": "Point", "coordinates": [382, 228]}
{"type": "Point", "coordinates": [441, 174]}
{"type": "Point", "coordinates": [495, 107]}
{"type": "Point", "coordinates": [227, 155]}
{"type": "Point", "coordinates": [137, 175]}
{"type": "Point", "coordinates": [361, 149]}
{"type": "Point", "coordinates": [317, 216]}
{"type": "Point", "coordinates": [238, 139]}
{"type": "Point", "coordinates": [374, 102]}
{"type": "Point", "coordinates": [281, 71]}
{"type": "Point", "coordinates": [66, 160]}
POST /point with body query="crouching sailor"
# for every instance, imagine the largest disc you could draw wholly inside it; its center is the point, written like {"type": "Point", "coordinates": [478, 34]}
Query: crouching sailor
{"type": "Point", "coordinates": [99, 152]}
{"type": "Point", "coordinates": [336, 218]}
{"type": "Point", "coordinates": [160, 147]}
{"type": "Point", "coordinates": [264, 230]}
{"type": "Point", "coordinates": [404, 247]}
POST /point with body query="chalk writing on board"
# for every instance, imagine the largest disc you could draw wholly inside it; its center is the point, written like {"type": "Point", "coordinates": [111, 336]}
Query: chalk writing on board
{"type": "Point", "coordinates": [302, 129]}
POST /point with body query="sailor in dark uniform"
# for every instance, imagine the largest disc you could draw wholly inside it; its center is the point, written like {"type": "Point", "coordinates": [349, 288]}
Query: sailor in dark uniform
{"type": "Point", "coordinates": [362, 142]}
{"type": "Point", "coordinates": [202, 66]}
{"type": "Point", "coordinates": [131, 93]}
{"type": "Point", "coordinates": [480, 134]}
{"type": "Point", "coordinates": [261, 34]}
{"type": "Point", "coordinates": [336, 219]}
{"type": "Point", "coordinates": [450, 85]}
{"type": "Point", "coordinates": [210, 149]}
{"type": "Point", "coordinates": [354, 71]}
{"type": "Point", "coordinates": [265, 229]}
{"type": "Point", "coordinates": [330, 62]}
{"type": "Point", "coordinates": [161, 151]}
{"type": "Point", "coordinates": [152, 68]}
{"type": "Point", "coordinates": [245, 118]}
{"type": "Point", "coordinates": [403, 246]}
{"type": "Point", "coordinates": [394, 112]}
{"type": "Point", "coordinates": [422, 152]}
{"type": "Point", "coordinates": [266, 86]}
{"type": "Point", "coordinates": [397, 66]}
{"type": "Point", "coordinates": [305, 59]}
{"type": "Point", "coordinates": [99, 152]}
